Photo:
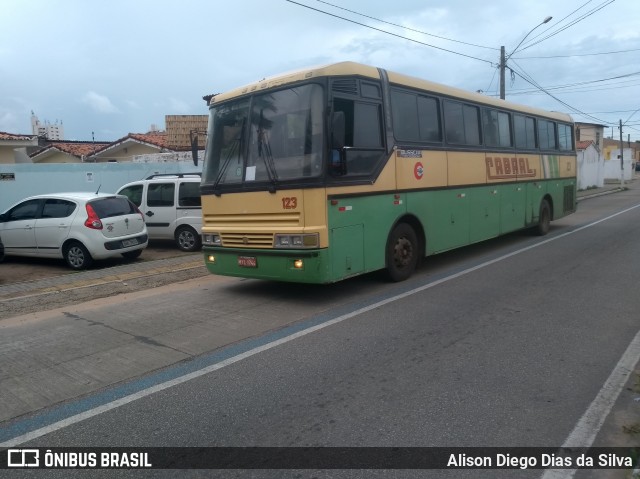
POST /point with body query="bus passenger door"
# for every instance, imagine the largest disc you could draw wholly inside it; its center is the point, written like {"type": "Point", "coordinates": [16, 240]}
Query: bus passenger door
{"type": "Point", "coordinates": [347, 251]}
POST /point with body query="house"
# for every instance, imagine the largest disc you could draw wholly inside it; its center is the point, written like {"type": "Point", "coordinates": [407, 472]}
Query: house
{"type": "Point", "coordinates": [13, 147]}
{"type": "Point", "coordinates": [611, 144]}
{"type": "Point", "coordinates": [590, 132]}
{"type": "Point", "coordinates": [134, 144]}
{"type": "Point", "coordinates": [66, 151]}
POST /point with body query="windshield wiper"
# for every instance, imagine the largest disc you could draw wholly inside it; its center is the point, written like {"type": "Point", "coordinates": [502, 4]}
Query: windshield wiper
{"type": "Point", "coordinates": [264, 152]}
{"type": "Point", "coordinates": [235, 147]}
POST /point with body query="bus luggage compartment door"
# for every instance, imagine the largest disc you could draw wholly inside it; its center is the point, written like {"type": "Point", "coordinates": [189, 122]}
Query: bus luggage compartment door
{"type": "Point", "coordinates": [347, 251]}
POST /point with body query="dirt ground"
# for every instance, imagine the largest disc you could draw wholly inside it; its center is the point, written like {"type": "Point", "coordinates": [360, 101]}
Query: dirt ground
{"type": "Point", "coordinates": [15, 269]}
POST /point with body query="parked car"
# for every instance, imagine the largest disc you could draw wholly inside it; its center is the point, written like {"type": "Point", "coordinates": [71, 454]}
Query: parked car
{"type": "Point", "coordinates": [171, 205]}
{"type": "Point", "coordinates": [1, 250]}
{"type": "Point", "coordinates": [79, 227]}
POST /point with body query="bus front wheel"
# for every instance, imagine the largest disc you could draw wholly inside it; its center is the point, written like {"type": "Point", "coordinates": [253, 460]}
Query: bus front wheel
{"type": "Point", "coordinates": [402, 252]}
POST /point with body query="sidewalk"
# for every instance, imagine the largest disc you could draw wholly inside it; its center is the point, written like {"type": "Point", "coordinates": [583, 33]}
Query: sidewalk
{"type": "Point", "coordinates": [166, 270]}
{"type": "Point", "coordinates": [610, 186]}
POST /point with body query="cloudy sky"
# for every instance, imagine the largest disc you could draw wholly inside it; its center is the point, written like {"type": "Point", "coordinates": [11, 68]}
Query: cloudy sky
{"type": "Point", "coordinates": [106, 69]}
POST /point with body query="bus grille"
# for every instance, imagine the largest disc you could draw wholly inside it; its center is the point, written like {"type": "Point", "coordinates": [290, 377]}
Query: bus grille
{"type": "Point", "coordinates": [569, 201]}
{"type": "Point", "coordinates": [349, 86]}
{"type": "Point", "coordinates": [253, 230]}
{"type": "Point", "coordinates": [247, 240]}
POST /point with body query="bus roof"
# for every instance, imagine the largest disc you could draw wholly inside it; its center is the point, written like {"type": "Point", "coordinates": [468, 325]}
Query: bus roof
{"type": "Point", "coordinates": [358, 69]}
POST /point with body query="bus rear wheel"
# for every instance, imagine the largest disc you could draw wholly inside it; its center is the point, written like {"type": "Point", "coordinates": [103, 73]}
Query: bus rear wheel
{"type": "Point", "coordinates": [402, 252]}
{"type": "Point", "coordinates": [544, 220]}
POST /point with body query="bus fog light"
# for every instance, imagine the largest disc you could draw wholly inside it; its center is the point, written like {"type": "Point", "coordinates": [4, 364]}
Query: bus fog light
{"type": "Point", "coordinates": [211, 259]}
{"type": "Point", "coordinates": [298, 264]}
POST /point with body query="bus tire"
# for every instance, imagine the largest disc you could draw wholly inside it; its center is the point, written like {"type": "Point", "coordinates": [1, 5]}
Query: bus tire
{"type": "Point", "coordinates": [544, 219]}
{"type": "Point", "coordinates": [402, 252]}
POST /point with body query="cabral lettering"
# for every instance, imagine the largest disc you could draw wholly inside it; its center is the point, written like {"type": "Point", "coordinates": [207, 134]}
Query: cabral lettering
{"type": "Point", "coordinates": [508, 168]}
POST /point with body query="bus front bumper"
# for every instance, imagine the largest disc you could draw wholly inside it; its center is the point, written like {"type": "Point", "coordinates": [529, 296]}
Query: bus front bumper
{"type": "Point", "coordinates": [299, 266]}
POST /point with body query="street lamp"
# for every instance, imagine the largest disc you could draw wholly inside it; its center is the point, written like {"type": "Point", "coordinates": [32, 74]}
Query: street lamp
{"type": "Point", "coordinates": [503, 60]}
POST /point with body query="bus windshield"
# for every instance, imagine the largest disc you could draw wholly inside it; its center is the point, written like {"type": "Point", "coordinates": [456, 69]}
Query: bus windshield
{"type": "Point", "coordinates": [271, 137]}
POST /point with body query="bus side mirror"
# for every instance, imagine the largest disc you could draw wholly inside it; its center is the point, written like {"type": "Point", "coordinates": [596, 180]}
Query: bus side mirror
{"type": "Point", "coordinates": [193, 134]}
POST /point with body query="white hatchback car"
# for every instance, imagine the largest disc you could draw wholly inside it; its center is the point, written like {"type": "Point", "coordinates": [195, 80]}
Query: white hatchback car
{"type": "Point", "coordinates": [78, 227]}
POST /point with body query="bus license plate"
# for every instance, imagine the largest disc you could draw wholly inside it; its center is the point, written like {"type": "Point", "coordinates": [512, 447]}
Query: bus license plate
{"type": "Point", "coordinates": [247, 262]}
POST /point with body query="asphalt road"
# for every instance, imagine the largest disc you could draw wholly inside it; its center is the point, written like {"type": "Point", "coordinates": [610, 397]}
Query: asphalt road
{"type": "Point", "coordinates": [507, 343]}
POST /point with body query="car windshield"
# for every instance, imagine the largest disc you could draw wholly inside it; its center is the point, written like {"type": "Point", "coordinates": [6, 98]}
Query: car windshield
{"type": "Point", "coordinates": [269, 138]}
{"type": "Point", "coordinates": [112, 206]}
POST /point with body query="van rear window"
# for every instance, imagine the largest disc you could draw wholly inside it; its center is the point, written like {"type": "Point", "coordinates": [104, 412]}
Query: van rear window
{"type": "Point", "coordinates": [112, 206]}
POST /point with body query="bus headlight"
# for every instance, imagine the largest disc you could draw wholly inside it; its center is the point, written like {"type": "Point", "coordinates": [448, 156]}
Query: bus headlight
{"type": "Point", "coordinates": [296, 241]}
{"type": "Point", "coordinates": [211, 239]}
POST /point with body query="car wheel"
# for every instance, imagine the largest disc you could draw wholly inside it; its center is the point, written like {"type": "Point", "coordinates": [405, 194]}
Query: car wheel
{"type": "Point", "coordinates": [77, 256]}
{"type": "Point", "coordinates": [187, 239]}
{"type": "Point", "coordinates": [402, 252]}
{"type": "Point", "coordinates": [132, 254]}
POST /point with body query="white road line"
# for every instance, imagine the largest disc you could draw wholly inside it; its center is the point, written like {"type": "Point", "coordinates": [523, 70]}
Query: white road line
{"type": "Point", "coordinates": [587, 428]}
{"type": "Point", "coordinates": [214, 367]}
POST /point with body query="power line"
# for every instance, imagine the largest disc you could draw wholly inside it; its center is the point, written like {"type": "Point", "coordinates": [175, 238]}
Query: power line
{"type": "Point", "coordinates": [588, 14]}
{"type": "Point", "coordinates": [405, 27]}
{"type": "Point", "coordinates": [631, 116]}
{"type": "Point", "coordinates": [526, 77]}
{"type": "Point", "coordinates": [389, 33]}
{"type": "Point", "coordinates": [578, 55]}
{"type": "Point", "coordinates": [576, 86]}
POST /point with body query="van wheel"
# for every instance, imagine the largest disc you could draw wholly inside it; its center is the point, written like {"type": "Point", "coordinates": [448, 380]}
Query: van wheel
{"type": "Point", "coordinates": [187, 239]}
{"type": "Point", "coordinates": [77, 256]}
{"type": "Point", "coordinates": [402, 252]}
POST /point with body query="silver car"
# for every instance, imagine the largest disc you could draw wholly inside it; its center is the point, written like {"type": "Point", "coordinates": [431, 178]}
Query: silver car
{"type": "Point", "coordinates": [78, 227]}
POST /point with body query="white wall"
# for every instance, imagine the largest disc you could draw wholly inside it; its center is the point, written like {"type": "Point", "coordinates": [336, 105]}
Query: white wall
{"type": "Point", "coordinates": [590, 168]}
{"type": "Point", "coordinates": [612, 167]}
{"type": "Point", "coordinates": [35, 178]}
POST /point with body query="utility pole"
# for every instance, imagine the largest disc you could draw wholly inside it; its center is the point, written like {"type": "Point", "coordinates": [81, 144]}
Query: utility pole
{"type": "Point", "coordinates": [621, 158]}
{"type": "Point", "coordinates": [503, 58]}
{"type": "Point", "coordinates": [502, 67]}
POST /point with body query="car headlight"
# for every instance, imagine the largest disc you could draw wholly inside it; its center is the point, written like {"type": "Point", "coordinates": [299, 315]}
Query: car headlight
{"type": "Point", "coordinates": [296, 241]}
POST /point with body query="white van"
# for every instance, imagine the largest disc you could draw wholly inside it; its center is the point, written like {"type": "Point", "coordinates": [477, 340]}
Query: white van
{"type": "Point", "coordinates": [171, 206]}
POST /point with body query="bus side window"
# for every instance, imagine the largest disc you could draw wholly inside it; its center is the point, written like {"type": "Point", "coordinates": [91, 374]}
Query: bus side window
{"type": "Point", "coordinates": [362, 139]}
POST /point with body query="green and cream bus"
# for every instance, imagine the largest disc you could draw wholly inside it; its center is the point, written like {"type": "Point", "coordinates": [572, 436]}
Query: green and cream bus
{"type": "Point", "coordinates": [326, 173]}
